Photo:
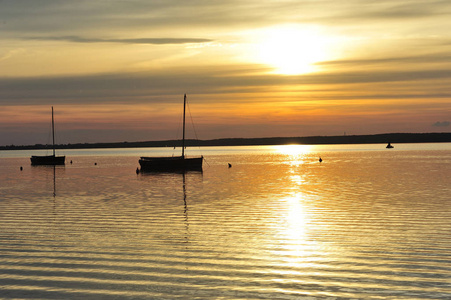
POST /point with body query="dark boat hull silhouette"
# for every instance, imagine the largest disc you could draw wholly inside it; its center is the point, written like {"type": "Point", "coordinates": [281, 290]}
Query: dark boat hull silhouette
{"type": "Point", "coordinates": [48, 160]}
{"type": "Point", "coordinates": [177, 163]}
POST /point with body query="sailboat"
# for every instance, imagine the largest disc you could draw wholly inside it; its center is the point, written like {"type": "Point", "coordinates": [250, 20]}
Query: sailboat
{"type": "Point", "coordinates": [49, 160]}
{"type": "Point", "coordinates": [172, 163]}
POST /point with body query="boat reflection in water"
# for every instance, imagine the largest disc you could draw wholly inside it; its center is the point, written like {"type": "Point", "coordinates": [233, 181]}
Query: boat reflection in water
{"type": "Point", "coordinates": [44, 171]}
{"type": "Point", "coordinates": [176, 182]}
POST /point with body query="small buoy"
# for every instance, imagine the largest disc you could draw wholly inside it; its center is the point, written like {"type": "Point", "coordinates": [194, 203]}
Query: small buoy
{"type": "Point", "coordinates": [320, 159]}
{"type": "Point", "coordinates": [21, 168]}
{"type": "Point", "coordinates": [230, 165]}
{"type": "Point", "coordinates": [137, 170]}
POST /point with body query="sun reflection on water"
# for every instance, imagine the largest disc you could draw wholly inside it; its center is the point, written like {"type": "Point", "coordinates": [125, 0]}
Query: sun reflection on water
{"type": "Point", "coordinates": [294, 155]}
{"type": "Point", "coordinates": [297, 179]}
{"type": "Point", "coordinates": [293, 150]}
{"type": "Point", "coordinates": [295, 247]}
{"type": "Point", "coordinates": [296, 219]}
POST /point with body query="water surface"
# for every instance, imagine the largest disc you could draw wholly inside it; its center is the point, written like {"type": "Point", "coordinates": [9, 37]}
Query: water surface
{"type": "Point", "coordinates": [366, 222]}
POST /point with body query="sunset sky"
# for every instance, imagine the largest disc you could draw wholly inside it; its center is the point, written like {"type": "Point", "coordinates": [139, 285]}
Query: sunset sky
{"type": "Point", "coordinates": [117, 70]}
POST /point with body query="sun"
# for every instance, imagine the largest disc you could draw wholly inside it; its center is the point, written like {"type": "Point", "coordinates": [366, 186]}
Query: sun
{"type": "Point", "coordinates": [292, 49]}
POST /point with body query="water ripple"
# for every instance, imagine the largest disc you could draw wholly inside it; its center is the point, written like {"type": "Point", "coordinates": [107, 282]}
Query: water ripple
{"type": "Point", "coordinates": [279, 226]}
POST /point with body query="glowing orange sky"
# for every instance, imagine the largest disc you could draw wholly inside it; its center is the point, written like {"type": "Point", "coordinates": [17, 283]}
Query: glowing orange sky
{"type": "Point", "coordinates": [117, 71]}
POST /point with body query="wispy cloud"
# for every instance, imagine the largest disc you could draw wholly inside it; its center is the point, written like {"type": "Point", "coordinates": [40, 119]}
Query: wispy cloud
{"type": "Point", "coordinates": [115, 16]}
{"type": "Point", "coordinates": [443, 58]}
{"type": "Point", "coordinates": [155, 41]}
{"type": "Point", "coordinates": [11, 53]}
{"type": "Point", "coordinates": [139, 86]}
{"type": "Point", "coordinates": [441, 124]}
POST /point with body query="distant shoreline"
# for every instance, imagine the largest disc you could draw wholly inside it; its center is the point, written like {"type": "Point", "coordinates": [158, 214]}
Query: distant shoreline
{"type": "Point", "coordinates": [393, 138]}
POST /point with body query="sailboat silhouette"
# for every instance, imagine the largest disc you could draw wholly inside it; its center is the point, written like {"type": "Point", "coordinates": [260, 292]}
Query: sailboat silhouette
{"type": "Point", "coordinates": [172, 163]}
{"type": "Point", "coordinates": [49, 159]}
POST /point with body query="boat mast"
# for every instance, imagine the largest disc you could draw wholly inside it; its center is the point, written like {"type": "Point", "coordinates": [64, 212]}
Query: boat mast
{"type": "Point", "coordinates": [53, 133]}
{"type": "Point", "coordinates": [183, 140]}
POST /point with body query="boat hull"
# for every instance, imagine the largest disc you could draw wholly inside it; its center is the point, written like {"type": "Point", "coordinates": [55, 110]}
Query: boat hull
{"type": "Point", "coordinates": [170, 164]}
{"type": "Point", "coordinates": [49, 160]}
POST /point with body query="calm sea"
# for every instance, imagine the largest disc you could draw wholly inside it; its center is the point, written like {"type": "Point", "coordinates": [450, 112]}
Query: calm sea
{"type": "Point", "coordinates": [365, 223]}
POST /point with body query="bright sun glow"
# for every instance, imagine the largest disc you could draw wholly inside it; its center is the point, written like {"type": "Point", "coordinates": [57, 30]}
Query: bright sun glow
{"type": "Point", "coordinates": [293, 150]}
{"type": "Point", "coordinates": [292, 49]}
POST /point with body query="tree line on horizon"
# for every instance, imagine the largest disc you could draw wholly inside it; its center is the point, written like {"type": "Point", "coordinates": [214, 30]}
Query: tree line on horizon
{"type": "Point", "coordinates": [310, 140]}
